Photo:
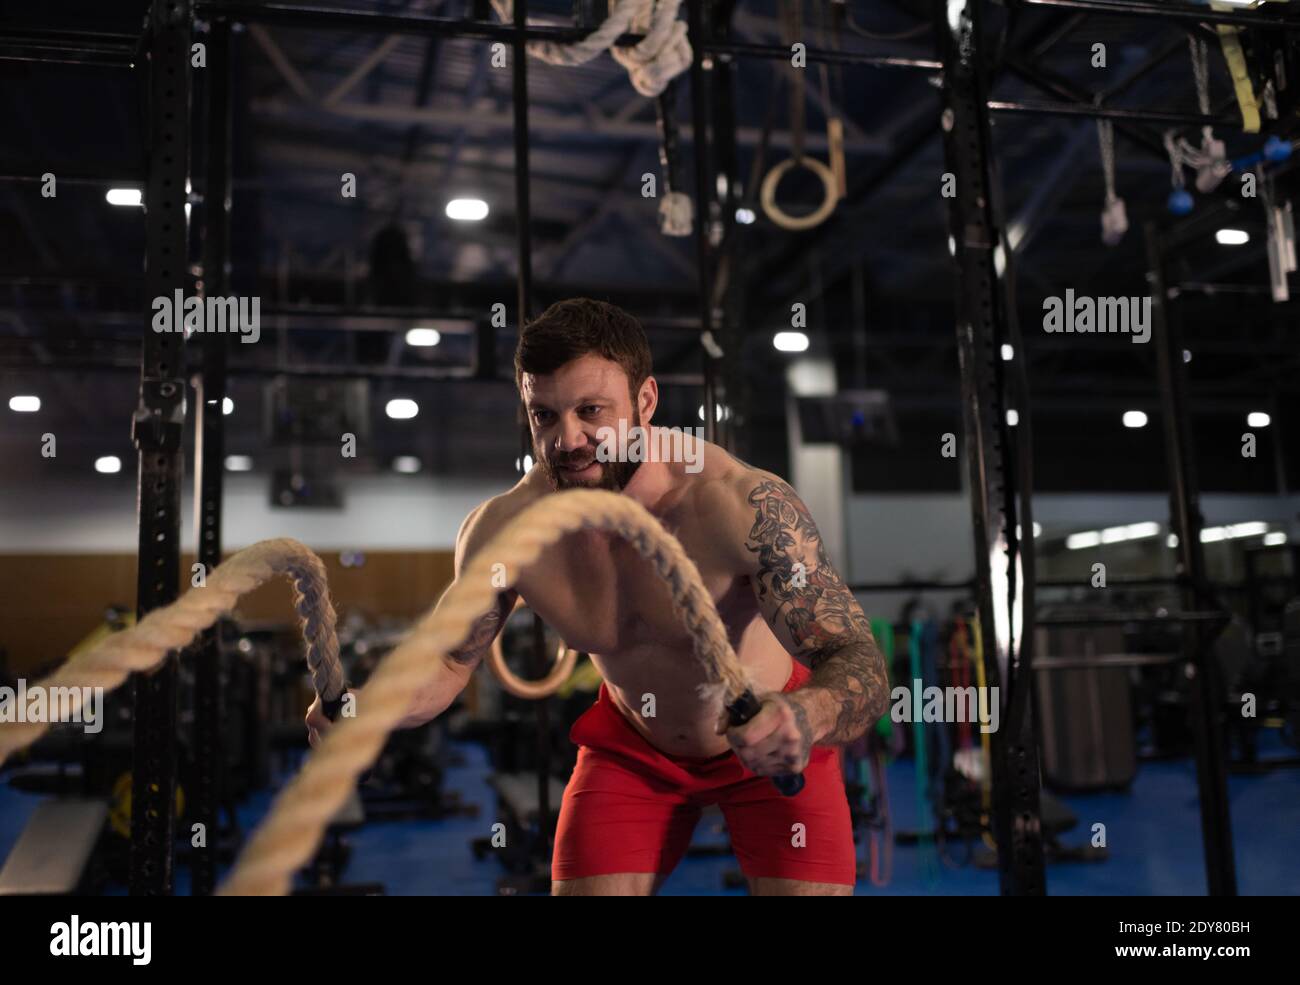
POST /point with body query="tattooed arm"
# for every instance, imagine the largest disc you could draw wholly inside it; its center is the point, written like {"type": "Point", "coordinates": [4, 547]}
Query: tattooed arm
{"type": "Point", "coordinates": [814, 614]}
{"type": "Point", "coordinates": [431, 701]}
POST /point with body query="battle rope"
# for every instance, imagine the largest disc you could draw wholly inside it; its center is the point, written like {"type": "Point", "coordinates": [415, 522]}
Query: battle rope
{"type": "Point", "coordinates": [293, 829]}
{"type": "Point", "coordinates": [146, 645]}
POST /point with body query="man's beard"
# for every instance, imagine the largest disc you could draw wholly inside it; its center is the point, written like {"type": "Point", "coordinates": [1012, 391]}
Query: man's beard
{"type": "Point", "coordinates": [614, 476]}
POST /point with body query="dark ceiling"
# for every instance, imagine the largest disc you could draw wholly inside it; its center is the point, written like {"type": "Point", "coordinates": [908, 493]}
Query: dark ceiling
{"type": "Point", "coordinates": [432, 119]}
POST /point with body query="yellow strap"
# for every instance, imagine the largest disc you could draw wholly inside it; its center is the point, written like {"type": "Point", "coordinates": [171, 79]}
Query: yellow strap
{"type": "Point", "coordinates": [986, 788]}
{"type": "Point", "coordinates": [1236, 59]}
{"type": "Point", "coordinates": [977, 638]}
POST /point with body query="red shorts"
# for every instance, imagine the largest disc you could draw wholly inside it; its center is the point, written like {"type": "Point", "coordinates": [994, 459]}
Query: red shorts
{"type": "Point", "coordinates": [631, 808]}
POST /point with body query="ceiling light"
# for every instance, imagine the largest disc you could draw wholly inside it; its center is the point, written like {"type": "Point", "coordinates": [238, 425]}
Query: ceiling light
{"type": "Point", "coordinates": [124, 196]}
{"type": "Point", "coordinates": [402, 409]}
{"type": "Point", "coordinates": [790, 341]}
{"type": "Point", "coordinates": [423, 337]}
{"type": "Point", "coordinates": [467, 209]}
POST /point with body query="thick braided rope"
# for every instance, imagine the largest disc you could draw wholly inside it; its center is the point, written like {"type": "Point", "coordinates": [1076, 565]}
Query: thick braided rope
{"type": "Point", "coordinates": [171, 627]}
{"type": "Point", "coordinates": [663, 53]}
{"type": "Point", "coordinates": [292, 831]}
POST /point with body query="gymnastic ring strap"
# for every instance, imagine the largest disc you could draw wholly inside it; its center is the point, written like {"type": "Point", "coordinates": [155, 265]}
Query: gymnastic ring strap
{"type": "Point", "coordinates": [830, 194]}
{"type": "Point", "coordinates": [566, 658]}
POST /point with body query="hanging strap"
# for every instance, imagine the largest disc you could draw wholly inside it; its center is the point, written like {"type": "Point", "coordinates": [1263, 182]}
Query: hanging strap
{"type": "Point", "coordinates": [1106, 145]}
{"type": "Point", "coordinates": [791, 20]}
{"type": "Point", "coordinates": [1230, 42]}
{"type": "Point", "coordinates": [834, 124]}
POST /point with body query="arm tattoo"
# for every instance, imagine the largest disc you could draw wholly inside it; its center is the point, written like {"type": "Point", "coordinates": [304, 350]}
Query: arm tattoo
{"type": "Point", "coordinates": [484, 631]}
{"type": "Point", "coordinates": [796, 581]}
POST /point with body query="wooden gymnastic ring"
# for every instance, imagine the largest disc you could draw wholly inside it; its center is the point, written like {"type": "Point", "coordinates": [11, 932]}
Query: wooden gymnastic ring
{"type": "Point", "coordinates": [566, 658]}
{"type": "Point", "coordinates": [818, 215]}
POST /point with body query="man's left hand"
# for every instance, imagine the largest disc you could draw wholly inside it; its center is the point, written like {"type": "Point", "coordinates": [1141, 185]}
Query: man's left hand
{"type": "Point", "coordinates": [777, 740]}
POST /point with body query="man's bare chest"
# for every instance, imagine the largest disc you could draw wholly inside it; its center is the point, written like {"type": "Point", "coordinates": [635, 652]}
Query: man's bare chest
{"type": "Point", "coordinates": [602, 597]}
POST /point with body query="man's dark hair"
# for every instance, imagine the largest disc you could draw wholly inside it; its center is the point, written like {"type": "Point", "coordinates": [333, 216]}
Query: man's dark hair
{"type": "Point", "coordinates": [578, 326]}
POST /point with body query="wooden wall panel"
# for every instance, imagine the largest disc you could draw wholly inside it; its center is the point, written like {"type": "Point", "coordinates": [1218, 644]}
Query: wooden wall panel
{"type": "Point", "coordinates": [49, 602]}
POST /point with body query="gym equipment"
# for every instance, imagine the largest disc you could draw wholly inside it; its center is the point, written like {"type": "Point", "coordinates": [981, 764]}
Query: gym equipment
{"type": "Point", "coordinates": [1086, 710]}
{"type": "Point", "coordinates": [566, 658]}
{"type": "Point", "coordinates": [287, 838]}
{"type": "Point", "coordinates": [831, 177]}
{"type": "Point", "coordinates": [174, 626]}
{"type": "Point", "coordinates": [1280, 223]}
{"type": "Point", "coordinates": [407, 779]}
{"type": "Point", "coordinates": [866, 783]}
{"type": "Point", "coordinates": [1114, 215]}
{"type": "Point", "coordinates": [325, 871]}
{"type": "Point", "coordinates": [52, 853]}
{"type": "Point", "coordinates": [663, 54]}
{"type": "Point", "coordinates": [527, 850]}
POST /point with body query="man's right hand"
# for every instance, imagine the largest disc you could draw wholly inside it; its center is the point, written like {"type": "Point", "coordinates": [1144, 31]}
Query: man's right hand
{"type": "Point", "coordinates": [317, 723]}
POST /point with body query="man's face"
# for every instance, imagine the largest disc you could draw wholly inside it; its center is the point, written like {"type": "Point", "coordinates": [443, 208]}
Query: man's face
{"type": "Point", "coordinates": [566, 409]}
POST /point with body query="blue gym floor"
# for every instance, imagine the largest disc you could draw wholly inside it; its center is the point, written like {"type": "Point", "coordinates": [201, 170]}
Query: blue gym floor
{"type": "Point", "coordinates": [1153, 833]}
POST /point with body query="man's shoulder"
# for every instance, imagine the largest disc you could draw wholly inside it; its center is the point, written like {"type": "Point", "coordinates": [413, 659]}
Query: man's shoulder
{"type": "Point", "coordinates": [728, 485]}
{"type": "Point", "coordinates": [486, 519]}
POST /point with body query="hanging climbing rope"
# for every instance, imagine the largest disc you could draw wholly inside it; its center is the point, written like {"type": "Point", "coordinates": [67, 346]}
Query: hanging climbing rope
{"type": "Point", "coordinates": [663, 54]}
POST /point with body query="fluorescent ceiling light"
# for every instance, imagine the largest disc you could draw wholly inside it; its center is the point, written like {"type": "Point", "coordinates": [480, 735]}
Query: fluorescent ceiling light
{"type": "Point", "coordinates": [124, 196]}
{"type": "Point", "coordinates": [423, 337]}
{"type": "Point", "coordinates": [790, 341]}
{"type": "Point", "coordinates": [402, 409]}
{"type": "Point", "coordinates": [467, 209]}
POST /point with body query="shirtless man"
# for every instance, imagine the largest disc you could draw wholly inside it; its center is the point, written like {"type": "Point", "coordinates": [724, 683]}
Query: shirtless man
{"type": "Point", "coordinates": [642, 779]}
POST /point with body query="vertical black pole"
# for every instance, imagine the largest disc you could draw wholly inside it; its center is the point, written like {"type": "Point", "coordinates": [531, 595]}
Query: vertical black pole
{"type": "Point", "coordinates": [703, 212]}
{"type": "Point", "coordinates": [724, 140]}
{"type": "Point", "coordinates": [209, 457]}
{"type": "Point", "coordinates": [543, 710]}
{"type": "Point", "coordinates": [157, 431]}
{"type": "Point", "coordinates": [1202, 667]}
{"type": "Point", "coordinates": [981, 320]}
{"type": "Point", "coordinates": [523, 206]}
{"type": "Point", "coordinates": [525, 290]}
